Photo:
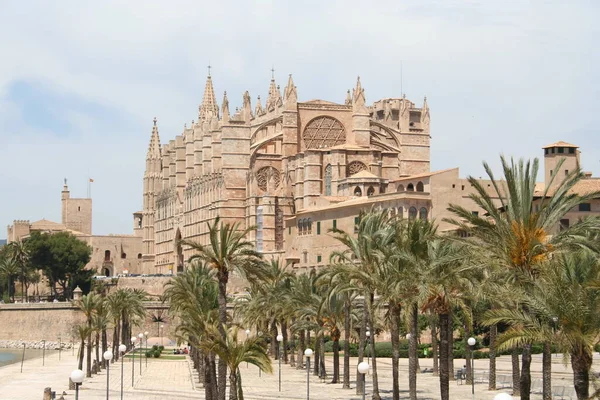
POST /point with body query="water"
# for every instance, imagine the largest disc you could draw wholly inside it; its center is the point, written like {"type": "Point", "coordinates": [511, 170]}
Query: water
{"type": "Point", "coordinates": [11, 356]}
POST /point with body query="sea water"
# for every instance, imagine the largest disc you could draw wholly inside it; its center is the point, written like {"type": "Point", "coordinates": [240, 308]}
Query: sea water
{"type": "Point", "coordinates": [10, 356]}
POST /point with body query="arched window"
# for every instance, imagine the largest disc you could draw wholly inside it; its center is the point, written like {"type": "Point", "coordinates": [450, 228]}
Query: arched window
{"type": "Point", "coordinates": [309, 224]}
{"type": "Point", "coordinates": [357, 192]}
{"type": "Point", "coordinates": [410, 188]}
{"type": "Point", "coordinates": [370, 191]}
{"type": "Point", "coordinates": [139, 256]}
{"type": "Point", "coordinates": [304, 226]}
{"type": "Point", "coordinates": [328, 170]}
{"type": "Point", "coordinates": [299, 227]}
{"type": "Point", "coordinates": [400, 188]}
{"type": "Point", "coordinates": [123, 255]}
{"type": "Point", "coordinates": [420, 187]}
{"type": "Point", "coordinates": [400, 212]}
{"type": "Point", "coordinates": [412, 213]}
{"type": "Point", "coordinates": [323, 132]}
{"type": "Point", "coordinates": [107, 255]}
{"type": "Point", "coordinates": [423, 213]}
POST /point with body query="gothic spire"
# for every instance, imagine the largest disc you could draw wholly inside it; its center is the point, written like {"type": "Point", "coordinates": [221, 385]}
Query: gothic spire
{"type": "Point", "coordinates": [274, 94]}
{"type": "Point", "coordinates": [358, 97]}
{"type": "Point", "coordinates": [290, 90]}
{"type": "Point", "coordinates": [258, 110]}
{"type": "Point", "coordinates": [154, 146]}
{"type": "Point", "coordinates": [348, 101]}
{"type": "Point", "coordinates": [209, 107]}
{"type": "Point", "coordinates": [225, 108]}
{"type": "Point", "coordinates": [247, 107]}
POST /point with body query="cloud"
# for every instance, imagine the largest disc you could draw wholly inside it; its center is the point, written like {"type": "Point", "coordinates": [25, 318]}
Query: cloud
{"type": "Point", "coordinates": [81, 82]}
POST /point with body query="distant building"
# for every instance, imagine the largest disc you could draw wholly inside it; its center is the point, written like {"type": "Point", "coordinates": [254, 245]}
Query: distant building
{"type": "Point", "coordinates": [111, 254]}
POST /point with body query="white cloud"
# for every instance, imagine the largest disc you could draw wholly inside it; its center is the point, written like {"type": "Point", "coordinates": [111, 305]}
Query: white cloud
{"type": "Point", "coordinates": [500, 76]}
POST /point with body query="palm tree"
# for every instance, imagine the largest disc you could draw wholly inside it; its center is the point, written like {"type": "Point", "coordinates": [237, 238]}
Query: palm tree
{"type": "Point", "coordinates": [193, 296]}
{"type": "Point", "coordinates": [516, 235]}
{"type": "Point", "coordinates": [83, 333]}
{"type": "Point", "coordinates": [10, 269]}
{"type": "Point", "coordinates": [88, 304]}
{"type": "Point", "coordinates": [570, 292]}
{"type": "Point", "coordinates": [359, 262]}
{"type": "Point", "coordinates": [20, 254]}
{"type": "Point", "coordinates": [228, 251]}
{"type": "Point", "coordinates": [235, 352]}
{"type": "Point", "coordinates": [449, 280]}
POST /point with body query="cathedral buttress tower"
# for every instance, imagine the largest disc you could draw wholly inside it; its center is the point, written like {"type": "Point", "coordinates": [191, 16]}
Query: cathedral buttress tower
{"type": "Point", "coordinates": [152, 185]}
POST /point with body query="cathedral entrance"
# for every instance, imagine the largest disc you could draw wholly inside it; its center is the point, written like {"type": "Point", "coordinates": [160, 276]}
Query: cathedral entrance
{"type": "Point", "coordinates": [178, 252]}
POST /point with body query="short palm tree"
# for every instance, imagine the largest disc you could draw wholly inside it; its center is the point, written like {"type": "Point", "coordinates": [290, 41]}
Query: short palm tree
{"type": "Point", "coordinates": [10, 269]}
{"type": "Point", "coordinates": [517, 234]}
{"type": "Point", "coordinates": [235, 352]}
{"type": "Point", "coordinates": [20, 253]}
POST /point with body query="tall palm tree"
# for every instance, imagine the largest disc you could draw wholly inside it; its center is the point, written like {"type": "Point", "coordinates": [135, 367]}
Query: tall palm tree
{"type": "Point", "coordinates": [235, 352]}
{"type": "Point", "coordinates": [10, 269]}
{"type": "Point", "coordinates": [20, 253]}
{"type": "Point", "coordinates": [87, 304]}
{"type": "Point", "coordinates": [518, 236]}
{"type": "Point", "coordinates": [83, 332]}
{"type": "Point", "coordinates": [228, 251]}
{"type": "Point", "coordinates": [359, 261]}
{"type": "Point", "coordinates": [448, 283]}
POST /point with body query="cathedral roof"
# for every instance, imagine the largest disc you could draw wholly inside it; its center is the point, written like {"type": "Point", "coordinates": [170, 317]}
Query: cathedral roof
{"type": "Point", "coordinates": [364, 174]}
{"type": "Point", "coordinates": [47, 225]}
{"type": "Point", "coordinates": [560, 144]}
{"type": "Point", "coordinates": [424, 175]}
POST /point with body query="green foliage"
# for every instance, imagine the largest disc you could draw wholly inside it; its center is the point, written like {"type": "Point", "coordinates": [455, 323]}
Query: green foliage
{"type": "Point", "coordinates": [156, 353]}
{"type": "Point", "coordinates": [62, 258]}
{"type": "Point", "coordinates": [161, 347]}
{"type": "Point", "coordinates": [155, 347]}
{"type": "Point", "coordinates": [149, 353]}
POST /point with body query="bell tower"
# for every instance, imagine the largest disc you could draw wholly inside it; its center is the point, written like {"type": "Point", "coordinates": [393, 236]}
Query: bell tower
{"type": "Point", "coordinates": [553, 154]}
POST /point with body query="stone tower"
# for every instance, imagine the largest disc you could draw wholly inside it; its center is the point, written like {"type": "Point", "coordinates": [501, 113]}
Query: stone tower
{"type": "Point", "coordinates": [152, 184]}
{"type": "Point", "coordinates": [553, 154]}
{"type": "Point", "coordinates": [76, 213]}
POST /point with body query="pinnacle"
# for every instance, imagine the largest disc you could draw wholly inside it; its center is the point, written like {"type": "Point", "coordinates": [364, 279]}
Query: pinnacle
{"type": "Point", "coordinates": [209, 107]}
{"type": "Point", "coordinates": [154, 146]}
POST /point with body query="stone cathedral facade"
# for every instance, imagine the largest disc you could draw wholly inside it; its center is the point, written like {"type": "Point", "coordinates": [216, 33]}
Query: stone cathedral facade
{"type": "Point", "coordinates": [263, 165]}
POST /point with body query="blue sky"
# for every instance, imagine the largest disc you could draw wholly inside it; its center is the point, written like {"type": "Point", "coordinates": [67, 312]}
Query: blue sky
{"type": "Point", "coordinates": [80, 82]}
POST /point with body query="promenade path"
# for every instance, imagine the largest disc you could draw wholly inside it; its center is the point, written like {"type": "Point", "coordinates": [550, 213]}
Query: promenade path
{"type": "Point", "coordinates": [172, 379]}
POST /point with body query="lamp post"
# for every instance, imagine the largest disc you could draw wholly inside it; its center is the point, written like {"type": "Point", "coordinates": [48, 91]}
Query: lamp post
{"type": "Point", "coordinates": [108, 355]}
{"type": "Point", "coordinates": [368, 341]}
{"type": "Point", "coordinates": [161, 340]}
{"type": "Point", "coordinates": [471, 342]}
{"type": "Point", "coordinates": [146, 348]}
{"type": "Point", "coordinates": [308, 354]}
{"type": "Point", "coordinates": [77, 378]}
{"type": "Point", "coordinates": [555, 320]}
{"type": "Point", "coordinates": [141, 336]}
{"type": "Point", "coordinates": [122, 349]}
{"type": "Point", "coordinates": [133, 339]}
{"type": "Point", "coordinates": [363, 368]}
{"type": "Point", "coordinates": [43, 352]}
{"type": "Point", "coordinates": [279, 339]}
{"type": "Point", "coordinates": [503, 396]}
{"type": "Point", "coordinates": [59, 347]}
{"type": "Point", "coordinates": [23, 356]}
{"type": "Point", "coordinates": [259, 370]}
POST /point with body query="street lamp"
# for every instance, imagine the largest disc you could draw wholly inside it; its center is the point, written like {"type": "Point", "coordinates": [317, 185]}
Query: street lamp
{"type": "Point", "coordinates": [280, 339]}
{"type": "Point", "coordinates": [555, 320]}
{"type": "Point", "coordinates": [368, 341]}
{"type": "Point", "coordinates": [122, 350]}
{"type": "Point", "coordinates": [146, 336]}
{"type": "Point", "coordinates": [247, 336]}
{"type": "Point", "coordinates": [77, 378]}
{"type": "Point", "coordinates": [44, 352]}
{"type": "Point", "coordinates": [503, 396]}
{"type": "Point", "coordinates": [108, 355]}
{"type": "Point", "coordinates": [141, 336]}
{"type": "Point", "coordinates": [471, 342]}
{"type": "Point", "coordinates": [308, 354]}
{"type": "Point", "coordinates": [363, 368]}
{"type": "Point", "coordinates": [59, 347]}
{"type": "Point", "coordinates": [161, 327]}
{"type": "Point", "coordinates": [133, 340]}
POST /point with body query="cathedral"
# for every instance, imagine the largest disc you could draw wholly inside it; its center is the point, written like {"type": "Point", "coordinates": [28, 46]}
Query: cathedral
{"type": "Point", "coordinates": [269, 165]}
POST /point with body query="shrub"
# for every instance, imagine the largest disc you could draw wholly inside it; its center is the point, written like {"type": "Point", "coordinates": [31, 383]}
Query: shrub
{"type": "Point", "coordinates": [149, 353]}
{"type": "Point", "coordinates": [155, 347]}
{"type": "Point", "coordinates": [156, 353]}
{"type": "Point", "coordinates": [161, 347]}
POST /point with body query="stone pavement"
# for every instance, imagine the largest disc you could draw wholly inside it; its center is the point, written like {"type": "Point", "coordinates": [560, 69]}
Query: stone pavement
{"type": "Point", "coordinates": [172, 379]}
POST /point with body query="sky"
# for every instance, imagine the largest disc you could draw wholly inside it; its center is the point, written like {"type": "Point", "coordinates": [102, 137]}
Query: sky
{"type": "Point", "coordinates": [81, 81]}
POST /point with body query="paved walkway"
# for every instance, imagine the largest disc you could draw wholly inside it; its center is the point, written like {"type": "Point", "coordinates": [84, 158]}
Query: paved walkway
{"type": "Point", "coordinates": [172, 379]}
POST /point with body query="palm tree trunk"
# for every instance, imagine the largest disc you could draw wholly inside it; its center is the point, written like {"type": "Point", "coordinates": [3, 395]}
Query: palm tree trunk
{"type": "Point", "coordinates": [492, 354]}
{"type": "Point", "coordinates": [434, 347]}
{"type": "Point", "coordinates": [81, 353]}
{"type": "Point", "coordinates": [395, 337]}
{"type": "Point", "coordinates": [468, 354]}
{"type": "Point", "coordinates": [98, 350]}
{"type": "Point", "coordinates": [274, 343]}
{"type": "Point", "coordinates": [301, 348]}
{"type": "Point", "coordinates": [222, 379]}
{"type": "Point", "coordinates": [412, 353]}
{"type": "Point", "coordinates": [209, 384]}
{"type": "Point", "coordinates": [233, 389]}
{"type": "Point", "coordinates": [284, 333]}
{"type": "Point", "coordinates": [105, 344]}
{"type": "Point", "coordinates": [213, 377]}
{"type": "Point", "coordinates": [547, 372]}
{"type": "Point", "coordinates": [516, 373]}
{"type": "Point", "coordinates": [88, 365]}
{"type": "Point", "coordinates": [347, 305]}
{"type": "Point", "coordinates": [581, 362]}
{"type": "Point", "coordinates": [444, 359]}
{"type": "Point", "coordinates": [361, 346]}
{"type": "Point", "coordinates": [526, 372]}
{"type": "Point", "coordinates": [336, 359]}
{"type": "Point", "coordinates": [450, 346]}
{"type": "Point", "coordinates": [322, 370]}
{"type": "Point", "coordinates": [374, 376]}
{"type": "Point", "coordinates": [317, 354]}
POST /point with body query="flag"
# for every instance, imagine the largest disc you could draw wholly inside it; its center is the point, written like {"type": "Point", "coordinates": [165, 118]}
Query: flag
{"type": "Point", "coordinates": [91, 180]}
